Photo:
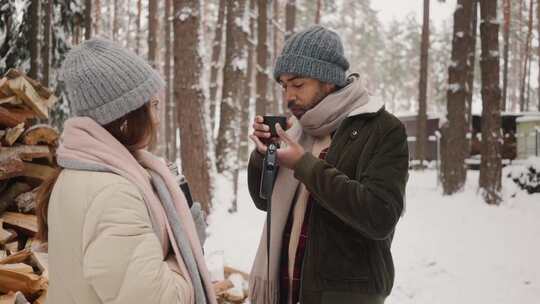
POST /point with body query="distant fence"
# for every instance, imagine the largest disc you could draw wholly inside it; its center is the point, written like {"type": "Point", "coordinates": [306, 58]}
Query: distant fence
{"type": "Point", "coordinates": [472, 161]}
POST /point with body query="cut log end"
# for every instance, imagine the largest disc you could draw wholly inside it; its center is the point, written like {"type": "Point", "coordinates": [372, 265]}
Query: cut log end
{"type": "Point", "coordinates": [41, 134]}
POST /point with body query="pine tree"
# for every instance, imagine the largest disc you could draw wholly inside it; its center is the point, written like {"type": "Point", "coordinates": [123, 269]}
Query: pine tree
{"type": "Point", "coordinates": [394, 66]}
{"type": "Point", "coordinates": [97, 17]}
{"type": "Point", "coordinates": [526, 61]}
{"type": "Point", "coordinates": [234, 75]}
{"type": "Point", "coordinates": [262, 102]}
{"type": "Point", "coordinates": [454, 145]}
{"type": "Point", "coordinates": [35, 23]}
{"type": "Point", "coordinates": [46, 50]}
{"type": "Point", "coordinates": [170, 105]}
{"type": "Point", "coordinates": [440, 55]}
{"type": "Point", "coordinates": [190, 99]}
{"type": "Point", "coordinates": [116, 20]}
{"type": "Point", "coordinates": [250, 89]}
{"type": "Point", "coordinates": [318, 12]}
{"type": "Point", "coordinates": [9, 55]}
{"type": "Point", "coordinates": [472, 62]}
{"type": "Point", "coordinates": [507, 18]}
{"type": "Point", "coordinates": [88, 19]}
{"type": "Point", "coordinates": [490, 166]}
{"type": "Point", "coordinates": [361, 33]}
{"type": "Point", "coordinates": [138, 31]}
{"type": "Point", "coordinates": [538, 28]}
{"type": "Point", "coordinates": [421, 133]}
{"type": "Point", "coordinates": [233, 96]}
{"type": "Point", "coordinates": [290, 18]}
{"type": "Point", "coordinates": [153, 25]}
{"type": "Point", "coordinates": [216, 61]}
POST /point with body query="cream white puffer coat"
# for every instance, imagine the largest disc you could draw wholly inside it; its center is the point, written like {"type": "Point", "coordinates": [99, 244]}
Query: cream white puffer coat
{"type": "Point", "coordinates": [102, 248]}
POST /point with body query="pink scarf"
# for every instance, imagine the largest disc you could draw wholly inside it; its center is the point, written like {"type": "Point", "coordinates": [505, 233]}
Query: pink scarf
{"type": "Point", "coordinates": [85, 141]}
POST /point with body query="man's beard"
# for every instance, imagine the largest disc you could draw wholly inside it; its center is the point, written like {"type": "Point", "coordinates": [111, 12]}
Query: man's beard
{"type": "Point", "coordinates": [299, 111]}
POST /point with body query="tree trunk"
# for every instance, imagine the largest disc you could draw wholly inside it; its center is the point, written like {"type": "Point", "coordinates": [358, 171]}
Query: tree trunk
{"type": "Point", "coordinates": [490, 166]}
{"type": "Point", "coordinates": [34, 39]}
{"type": "Point", "coordinates": [153, 29]}
{"type": "Point", "coordinates": [506, 51]}
{"type": "Point", "coordinates": [271, 94]}
{"type": "Point", "coordinates": [170, 107]}
{"type": "Point", "coordinates": [153, 25]}
{"type": "Point", "coordinates": [290, 17]}
{"type": "Point", "coordinates": [261, 102]}
{"type": "Point", "coordinates": [128, 41]}
{"type": "Point", "coordinates": [538, 25]}
{"type": "Point", "coordinates": [88, 19]}
{"type": "Point", "coordinates": [421, 132]}
{"type": "Point", "coordinates": [234, 77]}
{"type": "Point", "coordinates": [216, 61]}
{"type": "Point", "coordinates": [520, 53]}
{"type": "Point", "coordinates": [472, 60]}
{"type": "Point", "coordinates": [250, 93]}
{"type": "Point", "coordinates": [76, 38]}
{"type": "Point", "coordinates": [116, 20]}
{"type": "Point", "coordinates": [46, 50]}
{"type": "Point", "coordinates": [319, 11]}
{"type": "Point", "coordinates": [206, 12]}
{"type": "Point", "coordinates": [528, 85]}
{"type": "Point", "coordinates": [97, 16]}
{"type": "Point", "coordinates": [526, 56]}
{"type": "Point", "coordinates": [454, 151]}
{"type": "Point", "coordinates": [110, 17]}
{"type": "Point", "coordinates": [279, 36]}
{"type": "Point", "coordinates": [138, 32]}
{"type": "Point", "coordinates": [233, 96]}
{"type": "Point", "coordinates": [514, 60]}
{"type": "Point", "coordinates": [190, 99]}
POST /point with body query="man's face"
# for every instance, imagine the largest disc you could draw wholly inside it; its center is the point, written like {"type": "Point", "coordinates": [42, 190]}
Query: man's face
{"type": "Point", "coordinates": [302, 94]}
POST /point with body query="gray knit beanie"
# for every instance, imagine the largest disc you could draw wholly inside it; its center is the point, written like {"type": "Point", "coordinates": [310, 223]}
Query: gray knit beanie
{"type": "Point", "coordinates": [105, 81]}
{"type": "Point", "coordinates": [316, 52]}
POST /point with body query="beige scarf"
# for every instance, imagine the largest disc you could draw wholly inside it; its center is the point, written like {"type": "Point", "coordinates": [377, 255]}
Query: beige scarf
{"type": "Point", "coordinates": [318, 122]}
{"type": "Point", "coordinates": [299, 212]}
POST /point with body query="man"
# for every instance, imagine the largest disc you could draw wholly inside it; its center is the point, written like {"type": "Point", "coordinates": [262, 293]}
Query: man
{"type": "Point", "coordinates": [340, 189]}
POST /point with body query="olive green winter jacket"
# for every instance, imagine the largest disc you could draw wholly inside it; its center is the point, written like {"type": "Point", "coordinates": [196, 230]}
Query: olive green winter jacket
{"type": "Point", "coordinates": [359, 191]}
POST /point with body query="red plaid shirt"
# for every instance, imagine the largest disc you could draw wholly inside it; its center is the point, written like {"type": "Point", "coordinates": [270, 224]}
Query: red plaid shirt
{"type": "Point", "coordinates": [300, 250]}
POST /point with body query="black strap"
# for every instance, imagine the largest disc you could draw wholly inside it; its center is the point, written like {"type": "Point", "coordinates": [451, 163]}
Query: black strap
{"type": "Point", "coordinates": [268, 235]}
{"type": "Point", "coordinates": [187, 193]}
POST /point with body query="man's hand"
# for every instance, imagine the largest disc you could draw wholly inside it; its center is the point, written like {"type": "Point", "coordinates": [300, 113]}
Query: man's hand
{"type": "Point", "coordinates": [261, 134]}
{"type": "Point", "coordinates": [289, 155]}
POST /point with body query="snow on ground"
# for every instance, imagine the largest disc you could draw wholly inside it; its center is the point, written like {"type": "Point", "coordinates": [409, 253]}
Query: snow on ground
{"type": "Point", "coordinates": [446, 249]}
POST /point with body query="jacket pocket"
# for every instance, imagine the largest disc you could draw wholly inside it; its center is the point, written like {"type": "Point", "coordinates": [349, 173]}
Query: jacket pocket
{"type": "Point", "coordinates": [343, 255]}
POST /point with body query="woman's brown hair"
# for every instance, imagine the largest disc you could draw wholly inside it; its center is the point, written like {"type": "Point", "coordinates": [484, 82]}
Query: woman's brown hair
{"type": "Point", "coordinates": [135, 130]}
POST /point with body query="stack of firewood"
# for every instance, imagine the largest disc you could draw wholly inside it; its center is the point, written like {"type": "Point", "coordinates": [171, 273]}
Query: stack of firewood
{"type": "Point", "coordinates": [232, 290]}
{"type": "Point", "coordinates": [26, 161]}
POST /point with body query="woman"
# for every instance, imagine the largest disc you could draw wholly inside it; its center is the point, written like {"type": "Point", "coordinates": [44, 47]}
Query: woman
{"type": "Point", "coordinates": [118, 227]}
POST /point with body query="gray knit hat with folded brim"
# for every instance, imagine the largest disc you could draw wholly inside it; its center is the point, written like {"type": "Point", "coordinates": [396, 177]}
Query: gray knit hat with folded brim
{"type": "Point", "coordinates": [316, 52]}
{"type": "Point", "coordinates": [105, 81]}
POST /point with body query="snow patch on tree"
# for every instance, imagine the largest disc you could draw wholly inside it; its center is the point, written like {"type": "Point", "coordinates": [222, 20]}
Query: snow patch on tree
{"type": "Point", "coordinates": [239, 63]}
{"type": "Point", "coordinates": [454, 87]}
{"type": "Point", "coordinates": [185, 13]}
